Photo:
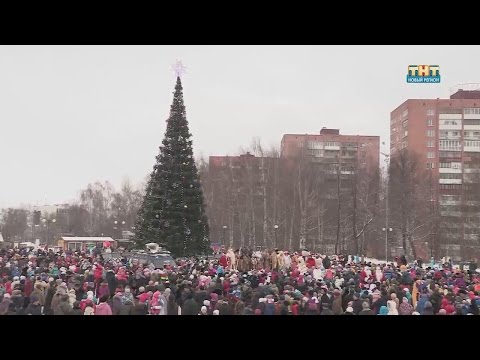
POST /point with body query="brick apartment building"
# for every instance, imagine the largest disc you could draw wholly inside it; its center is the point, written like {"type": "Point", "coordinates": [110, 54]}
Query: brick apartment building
{"type": "Point", "coordinates": [240, 190]}
{"type": "Point", "coordinates": [445, 133]}
{"type": "Point", "coordinates": [330, 147]}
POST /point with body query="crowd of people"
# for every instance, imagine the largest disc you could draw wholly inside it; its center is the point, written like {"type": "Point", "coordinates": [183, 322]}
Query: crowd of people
{"type": "Point", "coordinates": [36, 282]}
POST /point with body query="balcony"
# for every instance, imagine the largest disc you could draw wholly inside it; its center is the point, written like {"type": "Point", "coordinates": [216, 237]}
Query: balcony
{"type": "Point", "coordinates": [472, 127]}
{"type": "Point", "coordinates": [471, 148]}
{"type": "Point", "coordinates": [457, 126]}
{"type": "Point", "coordinates": [331, 147]}
{"type": "Point", "coordinates": [451, 213]}
{"type": "Point", "coordinates": [450, 181]}
{"type": "Point", "coordinates": [471, 171]}
{"type": "Point", "coordinates": [449, 171]}
{"type": "Point", "coordinates": [445, 148]}
{"type": "Point", "coordinates": [471, 116]}
{"type": "Point", "coordinates": [449, 202]}
{"type": "Point", "coordinates": [471, 237]}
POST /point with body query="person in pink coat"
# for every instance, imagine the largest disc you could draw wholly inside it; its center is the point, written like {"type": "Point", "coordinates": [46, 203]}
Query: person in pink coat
{"type": "Point", "coordinates": [103, 308]}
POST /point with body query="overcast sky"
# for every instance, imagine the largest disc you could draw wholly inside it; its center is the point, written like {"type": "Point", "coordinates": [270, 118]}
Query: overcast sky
{"type": "Point", "coordinates": [70, 115]}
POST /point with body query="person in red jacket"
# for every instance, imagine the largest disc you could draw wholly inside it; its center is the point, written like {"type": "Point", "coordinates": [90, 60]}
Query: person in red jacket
{"type": "Point", "coordinates": [310, 262]}
{"type": "Point", "coordinates": [223, 261]}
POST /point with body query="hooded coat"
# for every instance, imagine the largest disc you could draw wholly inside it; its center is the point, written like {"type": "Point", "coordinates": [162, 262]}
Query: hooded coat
{"type": "Point", "coordinates": [427, 309]}
{"type": "Point", "coordinates": [421, 303]}
{"type": "Point", "coordinates": [103, 309]}
{"type": "Point", "coordinates": [405, 308]}
{"type": "Point", "coordinates": [337, 304]}
{"type": "Point", "coordinates": [392, 307]}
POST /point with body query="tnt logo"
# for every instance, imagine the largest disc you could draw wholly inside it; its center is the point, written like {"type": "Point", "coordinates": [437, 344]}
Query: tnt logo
{"type": "Point", "coordinates": [423, 74]}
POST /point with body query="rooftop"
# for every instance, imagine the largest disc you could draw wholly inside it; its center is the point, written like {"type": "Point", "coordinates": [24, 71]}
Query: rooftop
{"type": "Point", "coordinates": [86, 238]}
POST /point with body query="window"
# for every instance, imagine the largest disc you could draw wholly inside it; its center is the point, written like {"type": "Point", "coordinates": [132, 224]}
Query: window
{"type": "Point", "coordinates": [471, 111]}
{"type": "Point", "coordinates": [448, 122]}
{"type": "Point", "coordinates": [430, 143]}
{"type": "Point", "coordinates": [450, 145]}
{"type": "Point", "coordinates": [405, 124]}
{"type": "Point", "coordinates": [405, 134]}
{"type": "Point", "coordinates": [404, 113]}
{"type": "Point", "coordinates": [429, 122]}
{"type": "Point", "coordinates": [430, 112]}
{"type": "Point", "coordinates": [430, 165]}
{"type": "Point", "coordinates": [450, 176]}
{"type": "Point", "coordinates": [431, 133]}
{"type": "Point", "coordinates": [404, 144]}
{"type": "Point", "coordinates": [72, 246]}
{"type": "Point", "coordinates": [450, 187]}
{"type": "Point", "coordinates": [430, 155]}
{"type": "Point", "coordinates": [471, 122]}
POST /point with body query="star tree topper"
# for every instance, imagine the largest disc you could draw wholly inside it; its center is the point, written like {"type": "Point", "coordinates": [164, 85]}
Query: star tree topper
{"type": "Point", "coordinates": [179, 68]}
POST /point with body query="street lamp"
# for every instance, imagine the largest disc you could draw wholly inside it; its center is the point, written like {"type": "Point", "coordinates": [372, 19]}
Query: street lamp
{"type": "Point", "coordinates": [386, 242]}
{"type": "Point", "coordinates": [387, 160]}
{"type": "Point", "coordinates": [45, 225]}
{"type": "Point", "coordinates": [275, 228]}
{"type": "Point", "coordinates": [118, 223]}
{"type": "Point", "coordinates": [224, 227]}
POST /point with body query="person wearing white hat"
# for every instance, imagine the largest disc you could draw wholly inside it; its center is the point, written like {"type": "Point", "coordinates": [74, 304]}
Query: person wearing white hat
{"type": "Point", "coordinates": [203, 311]}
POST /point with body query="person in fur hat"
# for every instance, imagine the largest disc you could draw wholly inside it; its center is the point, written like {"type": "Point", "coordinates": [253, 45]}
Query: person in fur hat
{"type": "Point", "coordinates": [39, 294]}
{"type": "Point", "coordinates": [72, 297]}
{"type": "Point", "coordinates": [337, 302]}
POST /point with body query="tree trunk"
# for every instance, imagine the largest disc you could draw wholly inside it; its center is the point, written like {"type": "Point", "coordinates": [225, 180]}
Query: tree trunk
{"type": "Point", "coordinates": [354, 219]}
{"type": "Point", "coordinates": [292, 220]}
{"type": "Point", "coordinates": [338, 211]}
{"type": "Point", "coordinates": [264, 194]}
{"type": "Point", "coordinates": [410, 242]}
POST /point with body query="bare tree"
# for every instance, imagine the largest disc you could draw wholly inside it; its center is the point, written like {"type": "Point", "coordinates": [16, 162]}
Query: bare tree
{"type": "Point", "coordinates": [410, 196]}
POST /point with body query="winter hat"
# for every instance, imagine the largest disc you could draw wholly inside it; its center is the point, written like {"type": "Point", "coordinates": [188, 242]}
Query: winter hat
{"type": "Point", "coordinates": [216, 312]}
{"type": "Point", "coordinates": [141, 289]}
{"type": "Point", "coordinates": [204, 310]}
{"type": "Point", "coordinates": [415, 313]}
{"type": "Point", "coordinates": [6, 295]}
{"type": "Point", "coordinates": [349, 309]}
{"type": "Point", "coordinates": [50, 279]}
{"type": "Point", "coordinates": [442, 312]}
{"type": "Point", "coordinates": [16, 278]}
{"type": "Point", "coordinates": [206, 303]}
{"type": "Point", "coordinates": [262, 300]}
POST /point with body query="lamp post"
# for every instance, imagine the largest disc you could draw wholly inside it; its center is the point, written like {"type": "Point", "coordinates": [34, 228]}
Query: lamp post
{"type": "Point", "coordinates": [46, 225]}
{"type": "Point", "coordinates": [387, 162]}
{"type": "Point", "coordinates": [275, 228]}
{"type": "Point", "coordinates": [115, 223]}
{"type": "Point", "coordinates": [224, 227]}
{"type": "Point", "coordinates": [386, 242]}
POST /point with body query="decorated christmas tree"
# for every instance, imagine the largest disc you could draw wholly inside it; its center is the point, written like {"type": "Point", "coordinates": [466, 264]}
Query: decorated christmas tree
{"type": "Point", "coordinates": [173, 210]}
